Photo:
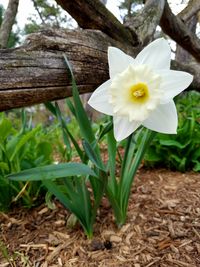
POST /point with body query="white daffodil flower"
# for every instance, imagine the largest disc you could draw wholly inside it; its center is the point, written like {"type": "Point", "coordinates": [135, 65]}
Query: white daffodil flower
{"type": "Point", "coordinates": [140, 91]}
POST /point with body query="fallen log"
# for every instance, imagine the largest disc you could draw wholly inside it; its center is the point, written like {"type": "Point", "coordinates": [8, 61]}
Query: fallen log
{"type": "Point", "coordinates": [36, 72]}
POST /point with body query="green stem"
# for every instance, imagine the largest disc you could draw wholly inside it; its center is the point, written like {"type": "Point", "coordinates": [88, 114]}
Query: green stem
{"type": "Point", "coordinates": [125, 185]}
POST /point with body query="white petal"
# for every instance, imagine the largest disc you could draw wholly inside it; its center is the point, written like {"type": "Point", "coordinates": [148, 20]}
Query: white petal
{"type": "Point", "coordinates": [173, 83]}
{"type": "Point", "coordinates": [118, 61]}
{"type": "Point", "coordinates": [123, 127]}
{"type": "Point", "coordinates": [157, 55]}
{"type": "Point", "coordinates": [163, 119]}
{"type": "Point", "coordinates": [99, 100]}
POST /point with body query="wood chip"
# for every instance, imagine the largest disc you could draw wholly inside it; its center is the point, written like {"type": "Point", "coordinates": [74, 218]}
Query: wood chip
{"type": "Point", "coordinates": [115, 239]}
{"type": "Point", "coordinates": [42, 211]}
{"type": "Point", "coordinates": [57, 250]}
{"type": "Point", "coordinates": [153, 236]}
{"type": "Point", "coordinates": [62, 235]}
{"type": "Point", "coordinates": [125, 228]}
{"type": "Point", "coordinates": [4, 264]}
{"type": "Point", "coordinates": [181, 263]}
{"type": "Point", "coordinates": [152, 263]}
{"type": "Point", "coordinates": [186, 242]}
{"type": "Point", "coordinates": [128, 237]}
{"type": "Point", "coordinates": [196, 232]}
{"type": "Point", "coordinates": [60, 222]}
{"type": "Point", "coordinates": [197, 247]}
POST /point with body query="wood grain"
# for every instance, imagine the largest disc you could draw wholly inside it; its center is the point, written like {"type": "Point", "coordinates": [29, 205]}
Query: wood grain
{"type": "Point", "coordinates": [36, 72]}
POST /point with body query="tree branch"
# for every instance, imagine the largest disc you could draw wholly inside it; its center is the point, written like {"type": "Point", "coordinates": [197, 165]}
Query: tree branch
{"type": "Point", "coordinates": [176, 29]}
{"type": "Point", "coordinates": [192, 8]}
{"type": "Point", "coordinates": [36, 72]}
{"type": "Point", "coordinates": [146, 20]}
{"type": "Point", "coordinates": [38, 11]}
{"type": "Point", "coordinates": [92, 14]}
{"type": "Point", "coordinates": [8, 21]}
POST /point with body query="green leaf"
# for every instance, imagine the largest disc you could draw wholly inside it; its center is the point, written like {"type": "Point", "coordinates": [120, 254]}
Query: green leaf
{"type": "Point", "coordinates": [151, 155]}
{"type": "Point", "coordinates": [52, 172]}
{"type": "Point", "coordinates": [50, 107]}
{"type": "Point", "coordinates": [76, 145]}
{"type": "Point", "coordinates": [24, 120]}
{"type": "Point", "coordinates": [44, 148]}
{"type": "Point", "coordinates": [64, 127]}
{"type": "Point", "coordinates": [90, 152]}
{"type": "Point", "coordinates": [81, 116]}
{"type": "Point", "coordinates": [112, 150]}
{"type": "Point", "coordinates": [4, 166]}
{"type": "Point", "coordinates": [174, 143]}
{"type": "Point", "coordinates": [79, 205]}
{"type": "Point", "coordinates": [5, 128]}
{"type": "Point", "coordinates": [19, 141]}
{"type": "Point", "coordinates": [71, 106]}
{"type": "Point", "coordinates": [127, 179]}
{"type": "Point", "coordinates": [105, 129]}
{"type": "Point", "coordinates": [196, 167]}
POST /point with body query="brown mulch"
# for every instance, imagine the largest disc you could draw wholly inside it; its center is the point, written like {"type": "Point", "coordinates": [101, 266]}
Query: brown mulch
{"type": "Point", "coordinates": [162, 229]}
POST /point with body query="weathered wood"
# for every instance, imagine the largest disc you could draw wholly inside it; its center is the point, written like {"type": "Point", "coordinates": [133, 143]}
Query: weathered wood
{"type": "Point", "coordinates": [36, 72]}
{"type": "Point", "coordinates": [92, 14]}
{"type": "Point", "coordinates": [174, 27]}
{"type": "Point", "coordinates": [192, 8]}
{"type": "Point", "coordinates": [146, 20]}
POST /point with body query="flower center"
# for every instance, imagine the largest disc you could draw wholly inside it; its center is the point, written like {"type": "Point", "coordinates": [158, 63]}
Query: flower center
{"type": "Point", "coordinates": [139, 93]}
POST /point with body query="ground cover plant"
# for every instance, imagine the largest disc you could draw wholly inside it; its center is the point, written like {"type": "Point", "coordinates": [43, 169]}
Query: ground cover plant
{"type": "Point", "coordinates": [182, 151]}
{"type": "Point", "coordinates": [21, 147]}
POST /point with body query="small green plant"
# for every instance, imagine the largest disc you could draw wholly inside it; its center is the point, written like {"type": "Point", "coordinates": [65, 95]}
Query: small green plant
{"type": "Point", "coordinates": [182, 151]}
{"type": "Point", "coordinates": [21, 149]}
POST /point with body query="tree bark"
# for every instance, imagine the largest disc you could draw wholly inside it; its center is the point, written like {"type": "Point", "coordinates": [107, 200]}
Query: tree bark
{"type": "Point", "coordinates": [146, 21]}
{"type": "Point", "coordinates": [8, 21]}
{"type": "Point", "coordinates": [178, 31]}
{"type": "Point", "coordinates": [181, 54]}
{"type": "Point", "coordinates": [189, 15]}
{"type": "Point", "coordinates": [36, 72]}
{"type": "Point", "coordinates": [192, 8]}
{"type": "Point", "coordinates": [92, 14]}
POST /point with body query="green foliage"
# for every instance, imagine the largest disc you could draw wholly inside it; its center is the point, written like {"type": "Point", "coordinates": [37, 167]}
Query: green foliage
{"type": "Point", "coordinates": [31, 27]}
{"type": "Point", "coordinates": [50, 15]}
{"type": "Point", "coordinates": [182, 151]}
{"type": "Point", "coordinates": [21, 149]}
{"type": "Point", "coordinates": [69, 181]}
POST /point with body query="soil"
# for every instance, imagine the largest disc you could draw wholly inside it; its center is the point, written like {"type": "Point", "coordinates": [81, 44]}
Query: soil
{"type": "Point", "coordinates": [162, 229]}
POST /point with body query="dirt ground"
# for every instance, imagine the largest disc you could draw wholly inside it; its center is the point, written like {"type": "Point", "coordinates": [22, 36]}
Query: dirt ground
{"type": "Point", "coordinates": [162, 229]}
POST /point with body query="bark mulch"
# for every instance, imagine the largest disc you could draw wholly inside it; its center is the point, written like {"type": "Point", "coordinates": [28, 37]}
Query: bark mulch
{"type": "Point", "coordinates": [162, 229]}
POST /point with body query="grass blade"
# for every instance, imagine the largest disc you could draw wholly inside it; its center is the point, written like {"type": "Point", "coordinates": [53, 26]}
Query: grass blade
{"type": "Point", "coordinates": [52, 172]}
